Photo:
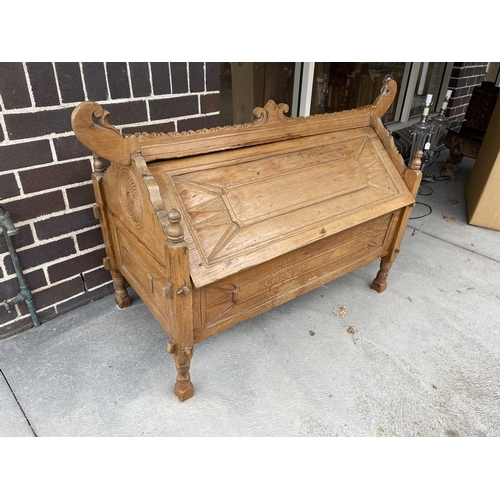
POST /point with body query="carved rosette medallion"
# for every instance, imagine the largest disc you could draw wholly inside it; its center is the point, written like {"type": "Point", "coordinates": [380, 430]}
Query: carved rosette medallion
{"type": "Point", "coordinates": [130, 198]}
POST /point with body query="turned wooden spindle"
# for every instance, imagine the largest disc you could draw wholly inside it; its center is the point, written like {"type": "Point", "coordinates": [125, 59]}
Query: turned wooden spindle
{"type": "Point", "coordinates": [380, 282]}
{"type": "Point", "coordinates": [416, 164]}
{"type": "Point", "coordinates": [175, 233]}
{"type": "Point", "coordinates": [98, 164]}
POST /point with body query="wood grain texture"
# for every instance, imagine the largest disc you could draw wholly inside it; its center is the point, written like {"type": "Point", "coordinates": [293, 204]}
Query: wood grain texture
{"type": "Point", "coordinates": [241, 208]}
{"type": "Point", "coordinates": [216, 226]}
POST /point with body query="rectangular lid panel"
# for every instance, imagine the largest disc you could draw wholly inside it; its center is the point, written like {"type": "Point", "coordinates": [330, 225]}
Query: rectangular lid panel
{"type": "Point", "coordinates": [243, 207]}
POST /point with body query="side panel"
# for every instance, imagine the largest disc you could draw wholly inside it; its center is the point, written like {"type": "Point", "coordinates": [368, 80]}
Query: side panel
{"type": "Point", "coordinates": [132, 200]}
{"type": "Point", "coordinates": [142, 270]}
{"type": "Point", "coordinates": [134, 217]}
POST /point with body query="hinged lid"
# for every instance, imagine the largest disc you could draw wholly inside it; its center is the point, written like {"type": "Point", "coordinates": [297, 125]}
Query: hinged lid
{"type": "Point", "coordinates": [249, 193]}
{"type": "Point", "coordinates": [246, 206]}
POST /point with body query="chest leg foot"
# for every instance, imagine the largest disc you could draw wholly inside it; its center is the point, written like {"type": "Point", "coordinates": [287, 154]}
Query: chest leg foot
{"type": "Point", "coordinates": [183, 388]}
{"type": "Point", "coordinates": [380, 282]}
{"type": "Point", "coordinates": [122, 298]}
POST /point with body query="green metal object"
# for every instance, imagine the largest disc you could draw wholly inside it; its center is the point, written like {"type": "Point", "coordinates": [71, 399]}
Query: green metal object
{"type": "Point", "coordinates": [24, 295]}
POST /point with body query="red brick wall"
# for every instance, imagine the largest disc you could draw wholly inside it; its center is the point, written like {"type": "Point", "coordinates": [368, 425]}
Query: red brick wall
{"type": "Point", "coordinates": [465, 76]}
{"type": "Point", "coordinates": [45, 172]}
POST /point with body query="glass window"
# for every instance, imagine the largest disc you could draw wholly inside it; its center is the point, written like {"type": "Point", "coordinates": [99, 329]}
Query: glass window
{"type": "Point", "coordinates": [429, 80]}
{"type": "Point", "coordinates": [338, 86]}
{"type": "Point", "coordinates": [328, 87]}
{"type": "Point", "coordinates": [247, 85]}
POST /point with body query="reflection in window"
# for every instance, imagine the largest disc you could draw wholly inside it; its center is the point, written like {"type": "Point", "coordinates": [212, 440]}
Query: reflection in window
{"type": "Point", "coordinates": [245, 86]}
{"type": "Point", "coordinates": [429, 80]}
{"type": "Point", "coordinates": [346, 85]}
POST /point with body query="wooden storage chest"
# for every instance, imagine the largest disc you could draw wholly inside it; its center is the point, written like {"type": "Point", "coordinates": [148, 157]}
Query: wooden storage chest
{"type": "Point", "coordinates": [215, 226]}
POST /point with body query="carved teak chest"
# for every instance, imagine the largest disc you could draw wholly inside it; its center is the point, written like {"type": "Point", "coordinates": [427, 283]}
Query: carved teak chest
{"type": "Point", "coordinates": [216, 226]}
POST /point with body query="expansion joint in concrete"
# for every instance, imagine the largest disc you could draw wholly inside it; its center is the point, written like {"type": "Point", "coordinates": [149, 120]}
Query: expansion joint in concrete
{"type": "Point", "coordinates": [18, 403]}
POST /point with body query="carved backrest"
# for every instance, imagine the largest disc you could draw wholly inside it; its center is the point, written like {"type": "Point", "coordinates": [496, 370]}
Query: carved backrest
{"type": "Point", "coordinates": [91, 125]}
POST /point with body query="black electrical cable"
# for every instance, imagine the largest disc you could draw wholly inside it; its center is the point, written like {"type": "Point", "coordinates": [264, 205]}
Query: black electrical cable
{"type": "Point", "coordinates": [424, 204]}
{"type": "Point", "coordinates": [425, 215]}
{"type": "Point", "coordinates": [424, 194]}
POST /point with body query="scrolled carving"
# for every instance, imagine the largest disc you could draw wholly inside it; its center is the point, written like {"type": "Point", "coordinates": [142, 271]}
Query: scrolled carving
{"type": "Point", "coordinates": [90, 124]}
{"type": "Point", "coordinates": [271, 113]}
{"type": "Point", "coordinates": [102, 116]}
{"type": "Point", "coordinates": [384, 100]}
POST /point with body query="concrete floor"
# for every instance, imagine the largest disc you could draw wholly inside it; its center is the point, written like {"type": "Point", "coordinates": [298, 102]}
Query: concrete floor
{"type": "Point", "coordinates": [424, 359]}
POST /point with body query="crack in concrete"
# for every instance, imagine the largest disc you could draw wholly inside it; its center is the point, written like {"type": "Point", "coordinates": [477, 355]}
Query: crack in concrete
{"type": "Point", "coordinates": [454, 244]}
{"type": "Point", "coordinates": [18, 403]}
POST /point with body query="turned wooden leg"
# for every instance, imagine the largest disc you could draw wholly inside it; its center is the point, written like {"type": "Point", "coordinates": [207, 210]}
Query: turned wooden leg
{"type": "Point", "coordinates": [121, 295]}
{"type": "Point", "coordinates": [183, 388]}
{"type": "Point", "coordinates": [380, 282]}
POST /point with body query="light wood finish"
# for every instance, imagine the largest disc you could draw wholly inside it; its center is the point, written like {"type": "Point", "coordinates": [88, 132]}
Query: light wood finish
{"type": "Point", "coordinates": [216, 226]}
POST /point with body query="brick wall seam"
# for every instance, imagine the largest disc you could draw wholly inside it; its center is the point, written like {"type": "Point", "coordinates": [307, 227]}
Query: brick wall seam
{"type": "Point", "coordinates": [53, 239]}
{"type": "Point", "coordinates": [151, 93]}
{"type": "Point", "coordinates": [57, 85]}
{"type": "Point", "coordinates": [53, 149]}
{"type": "Point", "coordinates": [66, 202]}
{"type": "Point", "coordinates": [69, 278]}
{"type": "Point", "coordinates": [2, 121]}
{"type": "Point", "coordinates": [49, 190]}
{"type": "Point", "coordinates": [19, 315]}
{"type": "Point", "coordinates": [82, 75]}
{"type": "Point", "coordinates": [57, 135]}
{"type": "Point", "coordinates": [19, 183]}
{"type": "Point", "coordinates": [188, 78]}
{"type": "Point", "coordinates": [32, 110]}
{"type": "Point", "coordinates": [44, 165]}
{"type": "Point", "coordinates": [66, 210]}
{"type": "Point", "coordinates": [80, 251]}
{"type": "Point", "coordinates": [28, 82]}
{"type": "Point", "coordinates": [120, 100]}
{"type": "Point", "coordinates": [150, 75]}
{"type": "Point", "coordinates": [169, 120]}
{"type": "Point", "coordinates": [130, 86]}
{"type": "Point", "coordinates": [108, 90]}
{"type": "Point", "coordinates": [44, 267]}
{"type": "Point", "coordinates": [170, 77]}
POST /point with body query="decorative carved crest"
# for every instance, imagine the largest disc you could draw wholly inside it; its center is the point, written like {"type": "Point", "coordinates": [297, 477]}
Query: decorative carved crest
{"type": "Point", "coordinates": [271, 113]}
{"type": "Point", "coordinates": [90, 124]}
{"type": "Point", "coordinates": [385, 98]}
